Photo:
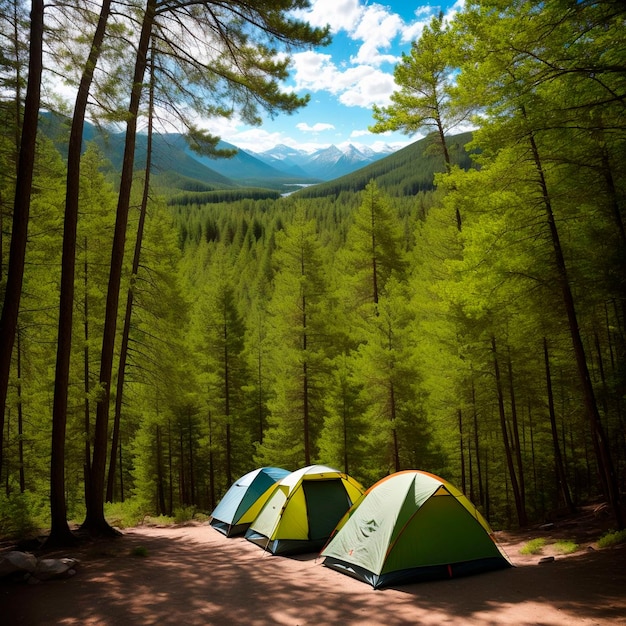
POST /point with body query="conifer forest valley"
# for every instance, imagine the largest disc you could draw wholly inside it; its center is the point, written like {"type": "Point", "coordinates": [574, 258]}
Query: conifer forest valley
{"type": "Point", "coordinates": [457, 306]}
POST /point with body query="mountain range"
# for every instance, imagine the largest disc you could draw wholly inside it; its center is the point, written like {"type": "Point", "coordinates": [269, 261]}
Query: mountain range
{"type": "Point", "coordinates": [325, 164]}
{"type": "Point", "coordinates": [173, 158]}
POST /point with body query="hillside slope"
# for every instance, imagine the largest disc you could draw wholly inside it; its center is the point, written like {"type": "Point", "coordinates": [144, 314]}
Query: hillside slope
{"type": "Point", "coordinates": [402, 173]}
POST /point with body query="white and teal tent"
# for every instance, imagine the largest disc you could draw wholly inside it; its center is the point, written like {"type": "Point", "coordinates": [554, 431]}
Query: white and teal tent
{"type": "Point", "coordinates": [412, 526]}
{"type": "Point", "coordinates": [245, 498]}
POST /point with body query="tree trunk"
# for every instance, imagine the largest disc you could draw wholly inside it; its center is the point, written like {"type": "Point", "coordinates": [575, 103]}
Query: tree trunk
{"type": "Point", "coordinates": [21, 208]}
{"type": "Point", "coordinates": [20, 416]}
{"type": "Point", "coordinates": [558, 460]}
{"type": "Point", "coordinates": [170, 461]}
{"type": "Point", "coordinates": [519, 503]}
{"type": "Point", "coordinates": [229, 447]}
{"type": "Point", "coordinates": [86, 386]}
{"type": "Point", "coordinates": [192, 480]}
{"type": "Point", "coordinates": [462, 451]}
{"type": "Point", "coordinates": [516, 439]}
{"type": "Point", "coordinates": [121, 370]}
{"type": "Point", "coordinates": [212, 498]}
{"type": "Point", "coordinates": [601, 444]}
{"type": "Point", "coordinates": [95, 523]}
{"type": "Point", "coordinates": [160, 487]}
{"type": "Point", "coordinates": [394, 430]}
{"type": "Point", "coordinates": [481, 494]}
{"type": "Point", "coordinates": [374, 259]}
{"type": "Point", "coordinates": [305, 387]}
{"type": "Point", "coordinates": [182, 483]}
{"type": "Point", "coordinates": [59, 532]}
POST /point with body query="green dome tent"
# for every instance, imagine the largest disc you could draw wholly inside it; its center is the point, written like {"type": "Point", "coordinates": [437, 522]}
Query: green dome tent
{"type": "Point", "coordinates": [245, 498]}
{"type": "Point", "coordinates": [412, 526]}
{"type": "Point", "coordinates": [303, 510]}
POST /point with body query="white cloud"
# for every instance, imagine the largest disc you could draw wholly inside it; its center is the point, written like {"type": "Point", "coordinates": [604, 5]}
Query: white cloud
{"type": "Point", "coordinates": [316, 128]}
{"type": "Point", "coordinates": [372, 87]}
{"type": "Point", "coordinates": [340, 14]}
{"type": "Point", "coordinates": [314, 71]}
{"type": "Point", "coordinates": [357, 81]}
{"type": "Point", "coordinates": [359, 75]}
{"type": "Point", "coordinates": [412, 32]}
{"type": "Point", "coordinates": [376, 29]}
{"type": "Point", "coordinates": [358, 85]}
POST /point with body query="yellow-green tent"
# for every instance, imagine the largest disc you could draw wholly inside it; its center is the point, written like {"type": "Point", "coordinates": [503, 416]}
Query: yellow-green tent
{"type": "Point", "coordinates": [412, 526]}
{"type": "Point", "coordinates": [303, 510]}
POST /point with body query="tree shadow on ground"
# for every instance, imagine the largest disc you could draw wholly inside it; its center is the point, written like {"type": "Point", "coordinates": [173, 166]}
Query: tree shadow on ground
{"type": "Point", "coordinates": [197, 576]}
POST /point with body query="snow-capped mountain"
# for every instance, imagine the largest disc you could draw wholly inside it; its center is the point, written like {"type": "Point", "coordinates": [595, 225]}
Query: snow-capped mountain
{"type": "Point", "coordinates": [285, 159]}
{"type": "Point", "coordinates": [325, 164]}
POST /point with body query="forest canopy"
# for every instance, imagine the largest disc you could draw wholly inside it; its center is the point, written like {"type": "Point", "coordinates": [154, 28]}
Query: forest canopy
{"type": "Point", "coordinates": [461, 311]}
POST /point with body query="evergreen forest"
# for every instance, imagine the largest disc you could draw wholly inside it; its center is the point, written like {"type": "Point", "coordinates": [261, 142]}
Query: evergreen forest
{"type": "Point", "coordinates": [458, 307]}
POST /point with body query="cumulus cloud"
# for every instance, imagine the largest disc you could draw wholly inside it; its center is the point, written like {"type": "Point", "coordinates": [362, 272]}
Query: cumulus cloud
{"type": "Point", "coordinates": [377, 29]}
{"type": "Point", "coordinates": [339, 14]}
{"type": "Point", "coordinates": [359, 85]}
{"type": "Point", "coordinates": [363, 73]}
{"type": "Point", "coordinates": [366, 77]}
{"type": "Point", "coordinates": [316, 128]}
{"type": "Point", "coordinates": [372, 87]}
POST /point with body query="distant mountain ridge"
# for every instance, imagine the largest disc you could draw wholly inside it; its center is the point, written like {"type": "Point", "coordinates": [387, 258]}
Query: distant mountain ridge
{"type": "Point", "coordinates": [173, 159]}
{"type": "Point", "coordinates": [326, 163]}
{"type": "Point", "coordinates": [406, 172]}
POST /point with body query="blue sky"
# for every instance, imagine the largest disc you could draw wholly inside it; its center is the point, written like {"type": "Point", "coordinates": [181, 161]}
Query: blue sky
{"type": "Point", "coordinates": [344, 79]}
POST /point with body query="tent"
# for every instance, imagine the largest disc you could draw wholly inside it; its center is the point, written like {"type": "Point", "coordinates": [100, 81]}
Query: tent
{"type": "Point", "coordinates": [303, 510]}
{"type": "Point", "coordinates": [245, 498]}
{"type": "Point", "coordinates": [412, 526]}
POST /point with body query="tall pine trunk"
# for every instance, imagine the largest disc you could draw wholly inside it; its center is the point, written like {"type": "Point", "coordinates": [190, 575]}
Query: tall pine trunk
{"type": "Point", "coordinates": [59, 530]}
{"type": "Point", "coordinates": [95, 522]}
{"type": "Point", "coordinates": [597, 430]}
{"type": "Point", "coordinates": [558, 459]}
{"type": "Point", "coordinates": [121, 370]}
{"type": "Point", "coordinates": [519, 502]}
{"type": "Point", "coordinates": [21, 208]}
{"type": "Point", "coordinates": [516, 438]}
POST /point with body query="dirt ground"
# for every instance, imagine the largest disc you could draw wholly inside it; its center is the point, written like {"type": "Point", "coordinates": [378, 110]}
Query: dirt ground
{"type": "Point", "coordinates": [194, 575]}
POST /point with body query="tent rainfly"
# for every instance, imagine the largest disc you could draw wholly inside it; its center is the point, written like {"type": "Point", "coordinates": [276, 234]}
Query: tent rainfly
{"type": "Point", "coordinates": [245, 498]}
{"type": "Point", "coordinates": [303, 510]}
{"type": "Point", "coordinates": [412, 526]}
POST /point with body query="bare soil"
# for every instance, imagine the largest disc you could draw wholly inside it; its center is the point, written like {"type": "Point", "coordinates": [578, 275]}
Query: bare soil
{"type": "Point", "coordinates": [192, 574]}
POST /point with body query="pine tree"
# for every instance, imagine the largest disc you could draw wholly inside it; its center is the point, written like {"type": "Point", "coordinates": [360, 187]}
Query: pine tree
{"type": "Point", "coordinates": [300, 333]}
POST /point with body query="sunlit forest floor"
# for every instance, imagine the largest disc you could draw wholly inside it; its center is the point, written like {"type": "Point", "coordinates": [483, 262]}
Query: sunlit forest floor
{"type": "Point", "coordinates": [191, 574]}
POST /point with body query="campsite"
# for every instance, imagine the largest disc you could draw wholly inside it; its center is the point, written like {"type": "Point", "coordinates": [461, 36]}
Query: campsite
{"type": "Point", "coordinates": [313, 547]}
{"type": "Point", "coordinates": [422, 356]}
{"type": "Point", "coordinates": [192, 574]}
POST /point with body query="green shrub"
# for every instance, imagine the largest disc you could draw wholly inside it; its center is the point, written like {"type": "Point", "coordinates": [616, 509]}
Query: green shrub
{"type": "Point", "coordinates": [534, 546]}
{"type": "Point", "coordinates": [565, 546]}
{"type": "Point", "coordinates": [612, 538]}
{"type": "Point", "coordinates": [22, 515]}
{"type": "Point", "coordinates": [184, 514]}
{"type": "Point", "coordinates": [124, 514]}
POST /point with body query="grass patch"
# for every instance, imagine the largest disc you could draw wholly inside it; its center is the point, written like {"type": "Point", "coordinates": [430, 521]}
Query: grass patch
{"type": "Point", "coordinates": [139, 551]}
{"type": "Point", "coordinates": [534, 546]}
{"type": "Point", "coordinates": [159, 520]}
{"type": "Point", "coordinates": [565, 546]}
{"type": "Point", "coordinates": [612, 539]}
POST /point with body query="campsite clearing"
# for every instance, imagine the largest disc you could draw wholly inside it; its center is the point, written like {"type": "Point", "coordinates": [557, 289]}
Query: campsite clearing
{"type": "Point", "coordinates": [195, 575]}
